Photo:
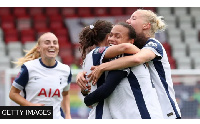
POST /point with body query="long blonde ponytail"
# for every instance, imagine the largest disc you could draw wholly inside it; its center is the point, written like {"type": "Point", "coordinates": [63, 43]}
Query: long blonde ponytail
{"type": "Point", "coordinates": [30, 55]}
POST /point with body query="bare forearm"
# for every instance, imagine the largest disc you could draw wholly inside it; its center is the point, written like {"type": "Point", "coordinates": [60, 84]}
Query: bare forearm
{"type": "Point", "coordinates": [120, 63]}
{"type": "Point", "coordinates": [19, 99]}
{"type": "Point", "coordinates": [66, 106]}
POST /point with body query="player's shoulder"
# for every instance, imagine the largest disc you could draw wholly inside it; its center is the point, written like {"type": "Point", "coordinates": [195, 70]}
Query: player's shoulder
{"type": "Point", "coordinates": [63, 66]}
{"type": "Point", "coordinates": [99, 50]}
{"type": "Point", "coordinates": [152, 42]}
{"type": "Point", "coordinates": [31, 62]}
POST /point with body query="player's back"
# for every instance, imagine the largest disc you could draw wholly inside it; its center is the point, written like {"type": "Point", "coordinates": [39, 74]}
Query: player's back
{"type": "Point", "coordinates": [135, 97]}
{"type": "Point", "coordinates": [93, 58]}
{"type": "Point", "coordinates": [160, 72]}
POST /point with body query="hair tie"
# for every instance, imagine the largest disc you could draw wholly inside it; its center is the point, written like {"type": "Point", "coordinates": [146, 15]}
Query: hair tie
{"type": "Point", "coordinates": [91, 26]}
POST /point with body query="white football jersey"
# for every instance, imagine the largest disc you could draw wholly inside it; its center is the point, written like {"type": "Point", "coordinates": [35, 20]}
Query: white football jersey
{"type": "Point", "coordinates": [95, 57]}
{"type": "Point", "coordinates": [135, 97]}
{"type": "Point", "coordinates": [160, 72]}
{"type": "Point", "coordinates": [44, 84]}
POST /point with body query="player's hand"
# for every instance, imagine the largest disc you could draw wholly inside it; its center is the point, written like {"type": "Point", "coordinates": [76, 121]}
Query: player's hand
{"type": "Point", "coordinates": [81, 80]}
{"type": "Point", "coordinates": [85, 92]}
{"type": "Point", "coordinates": [95, 74]}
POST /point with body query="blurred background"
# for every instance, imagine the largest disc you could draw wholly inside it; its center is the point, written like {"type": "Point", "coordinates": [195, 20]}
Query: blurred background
{"type": "Point", "coordinates": [21, 26]}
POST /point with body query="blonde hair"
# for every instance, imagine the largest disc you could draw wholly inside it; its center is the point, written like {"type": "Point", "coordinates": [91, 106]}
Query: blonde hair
{"type": "Point", "coordinates": [157, 24]}
{"type": "Point", "coordinates": [30, 54]}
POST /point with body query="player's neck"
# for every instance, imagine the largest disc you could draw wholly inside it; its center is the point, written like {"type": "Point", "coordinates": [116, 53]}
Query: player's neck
{"type": "Point", "coordinates": [48, 62]}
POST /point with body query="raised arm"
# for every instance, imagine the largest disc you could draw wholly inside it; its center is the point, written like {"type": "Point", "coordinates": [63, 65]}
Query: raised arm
{"type": "Point", "coordinates": [143, 56]}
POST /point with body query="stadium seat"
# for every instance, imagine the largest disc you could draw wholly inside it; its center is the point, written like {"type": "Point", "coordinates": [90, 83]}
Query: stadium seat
{"type": "Point", "coordinates": [19, 11]}
{"type": "Point", "coordinates": [185, 22]}
{"type": "Point", "coordinates": [27, 38]}
{"type": "Point", "coordinates": [35, 11]}
{"type": "Point", "coordinates": [197, 22]}
{"type": "Point", "coordinates": [14, 49]}
{"type": "Point", "coordinates": [1, 35]}
{"type": "Point", "coordinates": [63, 40]}
{"type": "Point", "coordinates": [53, 18]}
{"type": "Point", "coordinates": [5, 62]}
{"type": "Point", "coordinates": [129, 10]}
{"type": "Point", "coordinates": [196, 62]}
{"type": "Point", "coordinates": [2, 49]}
{"type": "Point", "coordinates": [183, 62]}
{"type": "Point", "coordinates": [40, 22]}
{"type": "Point", "coordinates": [179, 50]}
{"type": "Point", "coordinates": [41, 31]}
{"type": "Point", "coordinates": [69, 12]}
{"type": "Point", "coordinates": [116, 11]}
{"type": "Point", "coordinates": [181, 11]}
{"type": "Point", "coordinates": [29, 45]}
{"type": "Point", "coordinates": [67, 60]}
{"type": "Point", "coordinates": [7, 22]}
{"type": "Point", "coordinates": [175, 36]}
{"type": "Point", "coordinates": [164, 11]}
{"type": "Point", "coordinates": [65, 51]}
{"type": "Point", "coordinates": [194, 50]}
{"type": "Point", "coordinates": [100, 11]}
{"type": "Point", "coordinates": [172, 21]}
{"type": "Point", "coordinates": [191, 36]}
{"type": "Point", "coordinates": [52, 11]}
{"type": "Point", "coordinates": [56, 25]}
{"type": "Point", "coordinates": [63, 32]}
{"type": "Point", "coordinates": [5, 11]}
{"type": "Point", "coordinates": [84, 12]}
{"type": "Point", "coordinates": [11, 35]}
{"type": "Point", "coordinates": [194, 11]}
{"type": "Point", "coordinates": [23, 22]}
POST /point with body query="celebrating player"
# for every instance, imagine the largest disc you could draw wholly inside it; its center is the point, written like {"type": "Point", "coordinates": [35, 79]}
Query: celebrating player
{"type": "Point", "coordinates": [135, 96]}
{"type": "Point", "coordinates": [146, 23]}
{"type": "Point", "coordinates": [96, 36]}
{"type": "Point", "coordinates": [43, 80]}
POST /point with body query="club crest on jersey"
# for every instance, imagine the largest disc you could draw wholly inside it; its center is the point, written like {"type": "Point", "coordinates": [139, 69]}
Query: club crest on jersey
{"type": "Point", "coordinates": [151, 44]}
{"type": "Point", "coordinates": [99, 50]}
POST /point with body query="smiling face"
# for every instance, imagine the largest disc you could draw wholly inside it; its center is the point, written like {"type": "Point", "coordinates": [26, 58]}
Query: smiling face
{"type": "Point", "coordinates": [48, 46]}
{"type": "Point", "coordinates": [118, 35]}
{"type": "Point", "coordinates": [137, 21]}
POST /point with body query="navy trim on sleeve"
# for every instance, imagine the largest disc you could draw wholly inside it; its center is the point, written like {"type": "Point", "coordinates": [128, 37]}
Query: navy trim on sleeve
{"type": "Point", "coordinates": [22, 77]}
{"type": "Point", "coordinates": [155, 45]}
{"type": "Point", "coordinates": [70, 77]}
{"type": "Point", "coordinates": [102, 92]}
{"type": "Point", "coordinates": [97, 54]}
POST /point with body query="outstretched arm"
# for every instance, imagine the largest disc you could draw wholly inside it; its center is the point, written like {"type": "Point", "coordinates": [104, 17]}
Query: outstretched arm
{"type": "Point", "coordinates": [143, 56]}
{"type": "Point", "coordinates": [112, 80]}
{"type": "Point", "coordinates": [116, 50]}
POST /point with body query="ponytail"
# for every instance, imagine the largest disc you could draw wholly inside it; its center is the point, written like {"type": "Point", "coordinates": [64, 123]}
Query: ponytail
{"type": "Point", "coordinates": [30, 55]}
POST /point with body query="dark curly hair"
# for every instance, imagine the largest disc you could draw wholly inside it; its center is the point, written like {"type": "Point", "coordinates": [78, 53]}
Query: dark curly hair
{"type": "Point", "coordinates": [89, 37]}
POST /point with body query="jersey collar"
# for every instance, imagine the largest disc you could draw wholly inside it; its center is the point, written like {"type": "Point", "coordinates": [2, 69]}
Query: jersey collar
{"type": "Point", "coordinates": [47, 66]}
